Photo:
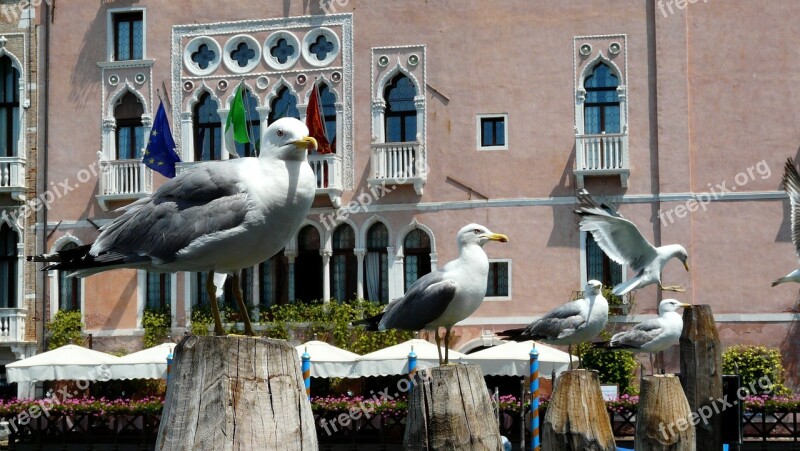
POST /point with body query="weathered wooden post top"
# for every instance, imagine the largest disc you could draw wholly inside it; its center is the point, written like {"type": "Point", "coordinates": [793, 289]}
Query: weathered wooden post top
{"type": "Point", "coordinates": [236, 393]}
{"type": "Point", "coordinates": [663, 418]}
{"type": "Point", "coordinates": [701, 372]}
{"type": "Point", "coordinates": [576, 418]}
{"type": "Point", "coordinates": [449, 409]}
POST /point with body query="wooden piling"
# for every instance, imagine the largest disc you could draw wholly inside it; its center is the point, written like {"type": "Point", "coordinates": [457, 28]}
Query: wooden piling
{"type": "Point", "coordinates": [236, 393]}
{"type": "Point", "coordinates": [663, 419]}
{"type": "Point", "coordinates": [450, 409]}
{"type": "Point", "coordinates": [701, 373]}
{"type": "Point", "coordinates": [576, 418]}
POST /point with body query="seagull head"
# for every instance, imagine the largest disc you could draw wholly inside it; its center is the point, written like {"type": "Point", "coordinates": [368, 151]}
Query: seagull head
{"type": "Point", "coordinates": [478, 234]}
{"type": "Point", "coordinates": [593, 288]}
{"type": "Point", "coordinates": [681, 255]}
{"type": "Point", "coordinates": [287, 139]}
{"type": "Point", "coordinates": [671, 305]}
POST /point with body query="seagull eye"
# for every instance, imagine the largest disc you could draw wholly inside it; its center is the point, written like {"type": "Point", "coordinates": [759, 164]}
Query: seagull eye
{"type": "Point", "coordinates": [280, 133]}
{"type": "Point", "coordinates": [477, 231]}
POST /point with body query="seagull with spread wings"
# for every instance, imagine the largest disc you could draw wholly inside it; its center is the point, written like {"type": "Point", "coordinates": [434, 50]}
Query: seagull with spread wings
{"type": "Point", "coordinates": [622, 242]}
{"type": "Point", "coordinates": [572, 323]}
{"type": "Point", "coordinates": [653, 335]}
{"type": "Point", "coordinates": [446, 296]}
{"type": "Point", "coordinates": [216, 217]}
{"type": "Point", "coordinates": [791, 184]}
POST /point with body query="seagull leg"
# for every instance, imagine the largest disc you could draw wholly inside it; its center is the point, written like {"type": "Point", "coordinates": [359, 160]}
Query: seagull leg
{"type": "Point", "coordinates": [237, 294]}
{"type": "Point", "coordinates": [652, 368]}
{"type": "Point", "coordinates": [438, 344]}
{"type": "Point", "coordinates": [212, 296]}
{"type": "Point", "coordinates": [675, 288]}
{"type": "Point", "coordinates": [569, 354]}
{"type": "Point", "coordinates": [446, 345]}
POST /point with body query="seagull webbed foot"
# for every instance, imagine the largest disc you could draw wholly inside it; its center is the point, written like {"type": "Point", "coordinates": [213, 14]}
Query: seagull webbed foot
{"type": "Point", "coordinates": [675, 288]}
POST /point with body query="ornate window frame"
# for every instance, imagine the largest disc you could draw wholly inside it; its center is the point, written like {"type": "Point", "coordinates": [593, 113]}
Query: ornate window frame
{"type": "Point", "coordinates": [54, 275]}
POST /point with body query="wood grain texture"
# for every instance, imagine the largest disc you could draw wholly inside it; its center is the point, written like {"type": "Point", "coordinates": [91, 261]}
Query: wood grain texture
{"type": "Point", "coordinates": [663, 418]}
{"type": "Point", "coordinates": [450, 409]}
{"type": "Point", "coordinates": [701, 372]}
{"type": "Point", "coordinates": [576, 417]}
{"type": "Point", "coordinates": [236, 393]}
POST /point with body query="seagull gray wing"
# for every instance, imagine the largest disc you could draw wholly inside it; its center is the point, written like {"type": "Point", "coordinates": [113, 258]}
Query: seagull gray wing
{"type": "Point", "coordinates": [557, 322]}
{"type": "Point", "coordinates": [203, 201]}
{"type": "Point", "coordinates": [791, 184]}
{"type": "Point", "coordinates": [425, 301]}
{"type": "Point", "coordinates": [616, 236]}
{"type": "Point", "coordinates": [639, 335]}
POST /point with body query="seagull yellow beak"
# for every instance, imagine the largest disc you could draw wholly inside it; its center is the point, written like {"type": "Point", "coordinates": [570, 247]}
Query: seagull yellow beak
{"type": "Point", "coordinates": [686, 265]}
{"type": "Point", "coordinates": [497, 237]}
{"type": "Point", "coordinates": [307, 143]}
{"type": "Point", "coordinates": [686, 305]}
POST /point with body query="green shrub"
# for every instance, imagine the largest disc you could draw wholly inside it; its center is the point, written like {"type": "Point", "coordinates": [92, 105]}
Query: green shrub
{"type": "Point", "coordinates": [330, 322]}
{"type": "Point", "coordinates": [613, 366]}
{"type": "Point", "coordinates": [156, 324]}
{"type": "Point", "coordinates": [754, 364]}
{"type": "Point", "coordinates": [201, 320]}
{"type": "Point", "coordinates": [65, 328]}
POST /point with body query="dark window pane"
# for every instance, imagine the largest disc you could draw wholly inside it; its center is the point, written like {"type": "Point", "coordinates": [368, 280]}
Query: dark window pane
{"type": "Point", "coordinates": [328, 105]}
{"type": "Point", "coordinates": [321, 47]}
{"type": "Point", "coordinates": [601, 107]}
{"type": "Point", "coordinates": [69, 288]}
{"type": "Point", "coordinates": [417, 252]}
{"type": "Point", "coordinates": [204, 56]}
{"type": "Point", "coordinates": [282, 50]}
{"type": "Point", "coordinates": [208, 130]}
{"type": "Point", "coordinates": [128, 36]}
{"type": "Point", "coordinates": [284, 105]}
{"type": "Point", "coordinates": [401, 113]}
{"type": "Point", "coordinates": [242, 54]}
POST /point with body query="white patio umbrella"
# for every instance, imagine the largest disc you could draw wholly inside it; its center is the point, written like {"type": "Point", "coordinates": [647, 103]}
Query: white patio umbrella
{"type": "Point", "coordinates": [394, 359]}
{"type": "Point", "coordinates": [150, 363]}
{"type": "Point", "coordinates": [513, 359]}
{"type": "Point", "coordinates": [327, 360]}
{"type": "Point", "coordinates": [69, 362]}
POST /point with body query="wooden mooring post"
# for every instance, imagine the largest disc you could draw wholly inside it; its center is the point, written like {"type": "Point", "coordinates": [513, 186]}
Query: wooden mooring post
{"type": "Point", "coordinates": [663, 418]}
{"type": "Point", "coordinates": [236, 393]}
{"type": "Point", "coordinates": [450, 409]}
{"type": "Point", "coordinates": [576, 418]}
{"type": "Point", "coordinates": [701, 373]}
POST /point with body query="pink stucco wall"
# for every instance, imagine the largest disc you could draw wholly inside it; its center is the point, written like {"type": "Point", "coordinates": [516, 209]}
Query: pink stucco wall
{"type": "Point", "coordinates": [704, 104]}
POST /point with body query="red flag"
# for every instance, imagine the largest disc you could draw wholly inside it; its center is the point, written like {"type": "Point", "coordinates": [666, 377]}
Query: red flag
{"type": "Point", "coordinates": [315, 123]}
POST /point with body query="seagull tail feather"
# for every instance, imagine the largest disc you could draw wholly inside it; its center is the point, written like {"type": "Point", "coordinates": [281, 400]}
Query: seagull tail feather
{"type": "Point", "coordinates": [514, 334]}
{"type": "Point", "coordinates": [371, 323]}
{"type": "Point", "coordinates": [81, 263]}
{"type": "Point", "coordinates": [780, 281]}
{"type": "Point", "coordinates": [625, 287]}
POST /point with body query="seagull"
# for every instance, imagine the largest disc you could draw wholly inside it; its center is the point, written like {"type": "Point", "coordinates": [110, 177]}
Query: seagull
{"type": "Point", "coordinates": [216, 217]}
{"type": "Point", "coordinates": [443, 297]}
{"type": "Point", "coordinates": [572, 323]}
{"type": "Point", "coordinates": [791, 184]}
{"type": "Point", "coordinates": [653, 335]}
{"type": "Point", "coordinates": [623, 243]}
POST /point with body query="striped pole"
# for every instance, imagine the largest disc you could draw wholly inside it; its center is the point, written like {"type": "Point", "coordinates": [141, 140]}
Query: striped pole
{"type": "Point", "coordinates": [169, 364]}
{"type": "Point", "coordinates": [412, 367]}
{"type": "Point", "coordinates": [306, 367]}
{"type": "Point", "coordinates": [535, 446]}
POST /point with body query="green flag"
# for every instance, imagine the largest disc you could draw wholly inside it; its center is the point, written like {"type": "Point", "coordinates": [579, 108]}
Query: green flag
{"type": "Point", "coordinates": [237, 119]}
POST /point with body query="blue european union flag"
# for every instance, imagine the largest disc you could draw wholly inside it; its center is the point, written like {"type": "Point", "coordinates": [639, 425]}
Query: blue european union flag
{"type": "Point", "coordinates": [160, 154]}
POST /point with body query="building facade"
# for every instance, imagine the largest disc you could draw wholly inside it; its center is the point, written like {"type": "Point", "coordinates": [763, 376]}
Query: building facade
{"type": "Point", "coordinates": [19, 141]}
{"type": "Point", "coordinates": [441, 114]}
